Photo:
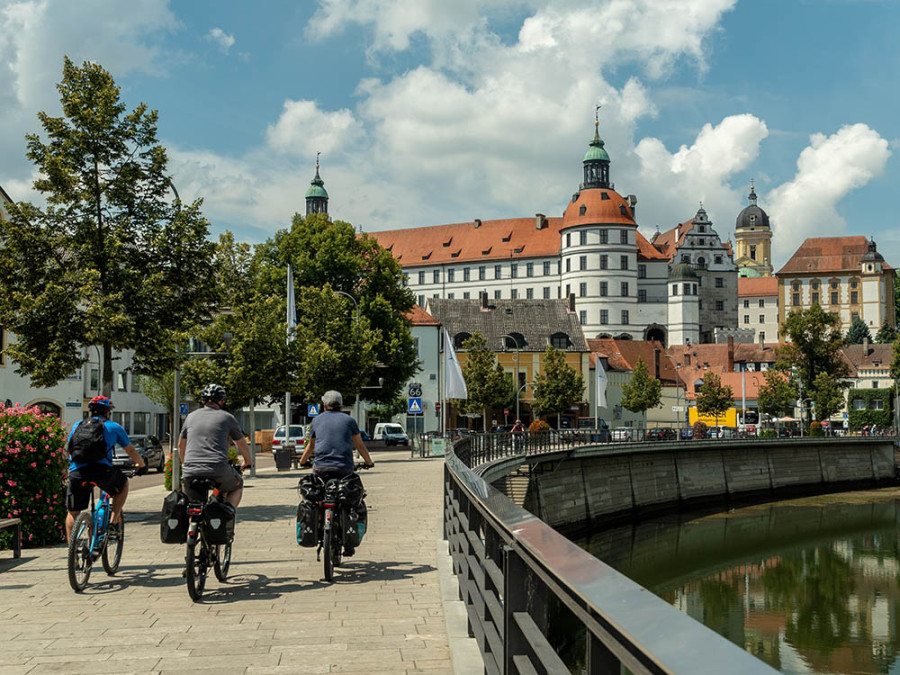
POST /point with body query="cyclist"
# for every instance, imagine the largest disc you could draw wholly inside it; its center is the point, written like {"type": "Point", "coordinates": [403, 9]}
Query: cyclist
{"type": "Point", "coordinates": [203, 446]}
{"type": "Point", "coordinates": [332, 437]}
{"type": "Point", "coordinates": [102, 472]}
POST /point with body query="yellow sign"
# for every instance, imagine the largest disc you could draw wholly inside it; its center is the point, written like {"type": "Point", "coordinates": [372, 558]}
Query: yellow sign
{"type": "Point", "coordinates": [726, 419]}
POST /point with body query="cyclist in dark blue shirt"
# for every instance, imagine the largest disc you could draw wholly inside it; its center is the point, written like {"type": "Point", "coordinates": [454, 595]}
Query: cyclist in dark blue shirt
{"type": "Point", "coordinates": [333, 436]}
{"type": "Point", "coordinates": [108, 477]}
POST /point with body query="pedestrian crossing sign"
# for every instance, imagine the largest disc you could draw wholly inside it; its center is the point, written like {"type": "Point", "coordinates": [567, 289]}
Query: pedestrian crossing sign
{"type": "Point", "coordinates": [415, 405]}
{"type": "Point", "coordinates": [312, 410]}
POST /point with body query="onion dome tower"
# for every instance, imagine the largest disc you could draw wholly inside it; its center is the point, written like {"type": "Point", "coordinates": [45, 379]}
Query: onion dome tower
{"type": "Point", "coordinates": [316, 195]}
{"type": "Point", "coordinates": [753, 240]}
{"type": "Point", "coordinates": [596, 162]}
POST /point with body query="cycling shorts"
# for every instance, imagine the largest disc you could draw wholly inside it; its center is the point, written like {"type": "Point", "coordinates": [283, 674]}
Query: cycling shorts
{"type": "Point", "coordinates": [109, 478]}
{"type": "Point", "coordinates": [227, 479]}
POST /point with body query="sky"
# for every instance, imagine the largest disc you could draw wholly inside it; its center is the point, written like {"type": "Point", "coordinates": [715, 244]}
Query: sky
{"type": "Point", "coordinates": [429, 112]}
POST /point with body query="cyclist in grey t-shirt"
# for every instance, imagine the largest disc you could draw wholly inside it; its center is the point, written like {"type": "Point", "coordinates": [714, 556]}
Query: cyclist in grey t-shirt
{"type": "Point", "coordinates": [203, 446]}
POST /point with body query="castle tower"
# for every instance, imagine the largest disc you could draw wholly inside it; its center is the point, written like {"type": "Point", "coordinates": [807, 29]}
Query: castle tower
{"type": "Point", "coordinates": [684, 305]}
{"type": "Point", "coordinates": [753, 240]}
{"type": "Point", "coordinates": [316, 195]}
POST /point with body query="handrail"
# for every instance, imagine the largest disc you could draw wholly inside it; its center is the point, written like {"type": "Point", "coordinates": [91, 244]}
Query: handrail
{"type": "Point", "coordinates": [522, 581]}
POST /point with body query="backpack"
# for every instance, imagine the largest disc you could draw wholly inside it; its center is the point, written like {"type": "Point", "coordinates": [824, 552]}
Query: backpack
{"type": "Point", "coordinates": [88, 443]}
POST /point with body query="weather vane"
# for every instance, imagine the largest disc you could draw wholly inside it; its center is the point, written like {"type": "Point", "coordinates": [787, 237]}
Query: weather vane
{"type": "Point", "coordinates": [317, 160]}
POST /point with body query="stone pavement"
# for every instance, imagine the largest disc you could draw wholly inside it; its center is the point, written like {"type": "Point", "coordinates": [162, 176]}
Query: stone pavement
{"type": "Point", "coordinates": [383, 614]}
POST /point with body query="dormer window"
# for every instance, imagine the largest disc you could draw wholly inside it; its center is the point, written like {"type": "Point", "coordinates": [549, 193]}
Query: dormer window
{"type": "Point", "coordinates": [752, 220]}
{"type": "Point", "coordinates": [604, 197]}
{"type": "Point", "coordinates": [582, 210]}
{"type": "Point", "coordinates": [560, 341]}
{"type": "Point", "coordinates": [508, 236]}
{"type": "Point", "coordinates": [448, 242]}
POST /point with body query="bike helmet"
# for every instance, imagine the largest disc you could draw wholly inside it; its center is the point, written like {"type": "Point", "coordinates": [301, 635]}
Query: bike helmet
{"type": "Point", "coordinates": [100, 405]}
{"type": "Point", "coordinates": [214, 393]}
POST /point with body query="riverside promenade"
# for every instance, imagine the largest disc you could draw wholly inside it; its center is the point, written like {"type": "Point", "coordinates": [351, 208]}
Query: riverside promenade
{"type": "Point", "coordinates": [388, 610]}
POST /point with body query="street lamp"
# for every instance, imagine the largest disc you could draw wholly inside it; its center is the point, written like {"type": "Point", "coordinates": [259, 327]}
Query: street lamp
{"type": "Point", "coordinates": [505, 346]}
{"type": "Point", "coordinates": [519, 391]}
{"type": "Point", "coordinates": [176, 412]}
{"type": "Point", "coordinates": [356, 306]}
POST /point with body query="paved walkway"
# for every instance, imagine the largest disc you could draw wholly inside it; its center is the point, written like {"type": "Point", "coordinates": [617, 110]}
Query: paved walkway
{"type": "Point", "coordinates": [383, 614]}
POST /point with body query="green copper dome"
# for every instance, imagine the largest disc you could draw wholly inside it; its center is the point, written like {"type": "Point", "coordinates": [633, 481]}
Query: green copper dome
{"type": "Point", "coordinates": [317, 187]}
{"type": "Point", "coordinates": [595, 151]}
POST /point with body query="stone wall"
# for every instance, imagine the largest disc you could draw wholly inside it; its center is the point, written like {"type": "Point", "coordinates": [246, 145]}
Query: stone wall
{"type": "Point", "coordinates": [596, 484]}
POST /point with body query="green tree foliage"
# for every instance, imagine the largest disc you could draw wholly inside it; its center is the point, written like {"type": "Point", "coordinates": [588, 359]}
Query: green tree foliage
{"type": "Point", "coordinates": [642, 391]}
{"type": "Point", "coordinates": [858, 332]}
{"type": "Point", "coordinates": [828, 397]}
{"type": "Point", "coordinates": [886, 334]}
{"type": "Point", "coordinates": [486, 382]}
{"type": "Point", "coordinates": [558, 386]}
{"type": "Point", "coordinates": [389, 409]}
{"type": "Point", "coordinates": [325, 253]}
{"type": "Point", "coordinates": [111, 259]}
{"type": "Point", "coordinates": [777, 395]}
{"type": "Point", "coordinates": [714, 398]}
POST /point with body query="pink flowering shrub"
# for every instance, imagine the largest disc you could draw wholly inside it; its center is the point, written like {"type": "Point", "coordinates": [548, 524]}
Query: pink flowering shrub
{"type": "Point", "coordinates": [33, 468]}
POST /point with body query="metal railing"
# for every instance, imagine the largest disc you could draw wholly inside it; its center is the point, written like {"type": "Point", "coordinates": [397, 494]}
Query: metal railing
{"type": "Point", "coordinates": [527, 590]}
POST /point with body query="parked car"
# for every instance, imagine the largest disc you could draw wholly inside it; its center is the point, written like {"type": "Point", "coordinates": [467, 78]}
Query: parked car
{"type": "Point", "coordinates": [722, 432]}
{"type": "Point", "coordinates": [297, 437]}
{"type": "Point", "coordinates": [434, 433]}
{"type": "Point", "coordinates": [456, 434]}
{"type": "Point", "coordinates": [662, 434]}
{"type": "Point", "coordinates": [391, 433]}
{"type": "Point", "coordinates": [625, 434]}
{"type": "Point", "coordinates": [365, 435]}
{"type": "Point", "coordinates": [148, 447]}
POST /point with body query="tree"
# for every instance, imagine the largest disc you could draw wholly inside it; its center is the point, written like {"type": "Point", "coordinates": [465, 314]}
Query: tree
{"type": "Point", "coordinates": [858, 332]}
{"type": "Point", "coordinates": [828, 397]}
{"type": "Point", "coordinates": [714, 398]}
{"type": "Point", "coordinates": [777, 395]}
{"type": "Point", "coordinates": [641, 392]}
{"type": "Point", "coordinates": [112, 259]}
{"type": "Point", "coordinates": [557, 387]}
{"type": "Point", "coordinates": [886, 334]}
{"type": "Point", "coordinates": [486, 382]}
{"type": "Point", "coordinates": [329, 253]}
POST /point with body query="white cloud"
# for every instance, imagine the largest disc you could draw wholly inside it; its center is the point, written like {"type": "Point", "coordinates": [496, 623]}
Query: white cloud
{"type": "Point", "coordinates": [827, 171]}
{"type": "Point", "coordinates": [303, 129]}
{"type": "Point", "coordinates": [221, 38]}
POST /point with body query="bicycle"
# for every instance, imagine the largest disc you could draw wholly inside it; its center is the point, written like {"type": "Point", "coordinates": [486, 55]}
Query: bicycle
{"type": "Point", "coordinates": [91, 538]}
{"type": "Point", "coordinates": [333, 497]}
{"type": "Point", "coordinates": [209, 537]}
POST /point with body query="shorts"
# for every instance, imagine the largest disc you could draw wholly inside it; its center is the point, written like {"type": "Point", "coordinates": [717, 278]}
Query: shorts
{"type": "Point", "coordinates": [108, 478]}
{"type": "Point", "coordinates": [227, 479]}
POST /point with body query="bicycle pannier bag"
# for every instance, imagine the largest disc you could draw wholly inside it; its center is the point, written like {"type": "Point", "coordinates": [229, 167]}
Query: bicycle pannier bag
{"type": "Point", "coordinates": [87, 443]}
{"type": "Point", "coordinates": [307, 524]}
{"type": "Point", "coordinates": [356, 521]}
{"type": "Point", "coordinates": [218, 522]}
{"type": "Point", "coordinates": [173, 523]}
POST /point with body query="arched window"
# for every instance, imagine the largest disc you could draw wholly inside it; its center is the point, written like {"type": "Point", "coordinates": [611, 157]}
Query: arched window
{"type": "Point", "coordinates": [459, 338]}
{"type": "Point", "coordinates": [49, 408]}
{"type": "Point", "coordinates": [560, 341]}
{"type": "Point", "coordinates": [582, 210]}
{"type": "Point", "coordinates": [514, 341]}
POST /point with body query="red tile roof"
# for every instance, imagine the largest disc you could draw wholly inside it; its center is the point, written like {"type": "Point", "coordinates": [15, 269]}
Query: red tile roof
{"type": "Point", "coordinates": [757, 286]}
{"type": "Point", "coordinates": [825, 255]}
{"type": "Point", "coordinates": [601, 205]}
{"type": "Point", "coordinates": [419, 317]}
{"type": "Point", "coordinates": [623, 355]}
{"type": "Point", "coordinates": [856, 357]}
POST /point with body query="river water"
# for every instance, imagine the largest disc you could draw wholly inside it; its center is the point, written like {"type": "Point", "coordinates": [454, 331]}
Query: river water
{"type": "Point", "coordinates": [808, 585]}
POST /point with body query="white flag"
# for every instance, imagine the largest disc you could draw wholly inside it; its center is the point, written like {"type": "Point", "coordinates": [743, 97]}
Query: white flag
{"type": "Point", "coordinates": [291, 306]}
{"type": "Point", "coordinates": [602, 381]}
{"type": "Point", "coordinates": [454, 382]}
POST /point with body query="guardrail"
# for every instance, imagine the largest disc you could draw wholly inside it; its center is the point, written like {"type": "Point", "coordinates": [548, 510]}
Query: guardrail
{"type": "Point", "coordinates": [525, 587]}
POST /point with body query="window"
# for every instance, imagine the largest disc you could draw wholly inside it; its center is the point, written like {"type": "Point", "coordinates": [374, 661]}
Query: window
{"type": "Point", "coordinates": [701, 228]}
{"type": "Point", "coordinates": [529, 293]}
{"type": "Point", "coordinates": [436, 276]}
{"type": "Point", "coordinates": [604, 236]}
{"type": "Point", "coordinates": [834, 297]}
{"type": "Point", "coordinates": [674, 289]}
{"type": "Point", "coordinates": [685, 289]}
{"type": "Point", "coordinates": [604, 289]}
{"type": "Point", "coordinates": [514, 293]}
{"type": "Point", "coordinates": [95, 379]}
{"type": "Point", "coordinates": [795, 299]}
{"type": "Point", "coordinates": [702, 242]}
{"type": "Point", "coordinates": [746, 304]}
{"type": "Point", "coordinates": [623, 262]}
{"type": "Point", "coordinates": [466, 295]}
{"type": "Point", "coordinates": [467, 274]}
{"type": "Point", "coordinates": [854, 297]}
{"type": "Point", "coordinates": [762, 318]}
{"type": "Point", "coordinates": [421, 278]}
{"type": "Point", "coordinates": [623, 287]}
{"type": "Point", "coordinates": [546, 269]}
{"type": "Point", "coordinates": [815, 298]}
{"type": "Point", "coordinates": [498, 271]}
{"type": "Point", "coordinates": [582, 210]}
{"type": "Point", "coordinates": [546, 292]}
{"type": "Point", "coordinates": [853, 316]}
{"type": "Point", "coordinates": [834, 285]}
{"type": "Point", "coordinates": [451, 274]}
{"type": "Point", "coordinates": [560, 340]}
{"type": "Point", "coordinates": [604, 316]}
{"type": "Point", "coordinates": [700, 304]}
{"type": "Point", "coordinates": [568, 290]}
{"type": "Point", "coordinates": [123, 418]}
{"type": "Point", "coordinates": [568, 240]}
{"type": "Point", "coordinates": [876, 403]}
{"type": "Point", "coordinates": [795, 285]}
{"type": "Point", "coordinates": [582, 289]}
{"type": "Point", "coordinates": [625, 317]}
{"type": "Point", "coordinates": [642, 271]}
{"type": "Point", "coordinates": [513, 270]}
{"type": "Point", "coordinates": [141, 423]}
{"type": "Point", "coordinates": [568, 264]}
{"type": "Point", "coordinates": [720, 305]}
{"type": "Point", "coordinates": [642, 295]}
{"type": "Point", "coordinates": [482, 272]}
{"type": "Point", "coordinates": [815, 285]}
{"type": "Point", "coordinates": [694, 286]}
{"type": "Point", "coordinates": [720, 282]}
{"type": "Point", "coordinates": [762, 304]}
{"type": "Point", "coordinates": [450, 296]}
{"type": "Point", "coordinates": [746, 318]}
{"type": "Point", "coordinates": [685, 258]}
{"type": "Point", "coordinates": [623, 236]}
{"type": "Point", "coordinates": [718, 260]}
{"type": "Point", "coordinates": [529, 269]}
{"type": "Point", "coordinates": [122, 380]}
{"type": "Point", "coordinates": [582, 237]}
{"type": "Point", "coordinates": [582, 262]}
{"type": "Point", "coordinates": [497, 295]}
{"type": "Point", "coordinates": [604, 262]}
{"type": "Point", "coordinates": [582, 317]}
{"type": "Point", "coordinates": [421, 301]}
{"type": "Point", "coordinates": [752, 253]}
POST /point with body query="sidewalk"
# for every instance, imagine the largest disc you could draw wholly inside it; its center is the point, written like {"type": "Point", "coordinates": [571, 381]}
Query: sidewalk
{"type": "Point", "coordinates": [383, 614]}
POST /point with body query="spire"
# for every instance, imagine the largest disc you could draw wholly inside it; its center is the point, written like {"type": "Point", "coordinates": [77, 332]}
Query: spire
{"type": "Point", "coordinates": [596, 160]}
{"type": "Point", "coordinates": [752, 196]}
{"type": "Point", "coordinates": [316, 195]}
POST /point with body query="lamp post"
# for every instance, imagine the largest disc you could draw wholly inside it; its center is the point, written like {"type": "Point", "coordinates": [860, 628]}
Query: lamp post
{"type": "Point", "coordinates": [176, 412]}
{"type": "Point", "coordinates": [518, 392]}
{"type": "Point", "coordinates": [356, 307]}
{"type": "Point", "coordinates": [505, 347]}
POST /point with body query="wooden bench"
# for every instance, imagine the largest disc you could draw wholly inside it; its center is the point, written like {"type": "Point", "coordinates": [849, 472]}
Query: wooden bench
{"type": "Point", "coordinates": [16, 523]}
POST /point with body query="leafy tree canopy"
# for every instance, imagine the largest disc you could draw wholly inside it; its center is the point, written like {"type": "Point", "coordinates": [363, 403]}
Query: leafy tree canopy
{"type": "Point", "coordinates": [886, 334]}
{"type": "Point", "coordinates": [486, 382]}
{"type": "Point", "coordinates": [828, 397]}
{"type": "Point", "coordinates": [642, 391]}
{"type": "Point", "coordinates": [858, 332]}
{"type": "Point", "coordinates": [714, 398]}
{"type": "Point", "coordinates": [112, 259]}
{"type": "Point", "coordinates": [558, 386]}
{"type": "Point", "coordinates": [777, 395]}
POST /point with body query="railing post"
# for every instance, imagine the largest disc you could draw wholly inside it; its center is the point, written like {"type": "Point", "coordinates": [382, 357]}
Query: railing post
{"type": "Point", "coordinates": [515, 599]}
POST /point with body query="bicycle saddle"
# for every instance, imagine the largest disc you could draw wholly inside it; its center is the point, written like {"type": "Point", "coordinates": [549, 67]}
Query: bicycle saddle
{"type": "Point", "coordinates": [201, 483]}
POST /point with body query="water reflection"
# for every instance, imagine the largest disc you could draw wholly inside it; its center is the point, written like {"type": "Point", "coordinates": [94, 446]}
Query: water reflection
{"type": "Point", "coordinates": [807, 586]}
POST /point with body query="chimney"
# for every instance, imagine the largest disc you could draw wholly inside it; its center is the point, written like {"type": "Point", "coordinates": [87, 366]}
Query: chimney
{"type": "Point", "coordinates": [656, 362]}
{"type": "Point", "coordinates": [571, 303]}
{"type": "Point", "coordinates": [477, 223]}
{"type": "Point", "coordinates": [539, 221]}
{"type": "Point", "coordinates": [687, 359]}
{"type": "Point", "coordinates": [677, 233]}
{"type": "Point", "coordinates": [730, 368]}
{"type": "Point", "coordinates": [865, 346]}
{"type": "Point", "coordinates": [762, 340]}
{"type": "Point", "coordinates": [484, 301]}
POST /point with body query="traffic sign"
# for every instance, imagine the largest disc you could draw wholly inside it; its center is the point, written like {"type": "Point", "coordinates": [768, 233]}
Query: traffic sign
{"type": "Point", "coordinates": [312, 410]}
{"type": "Point", "coordinates": [415, 390]}
{"type": "Point", "coordinates": [183, 408]}
{"type": "Point", "coordinates": [677, 408]}
{"type": "Point", "coordinates": [415, 405]}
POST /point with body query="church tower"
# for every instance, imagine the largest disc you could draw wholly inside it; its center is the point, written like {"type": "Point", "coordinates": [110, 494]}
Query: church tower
{"type": "Point", "coordinates": [316, 196]}
{"type": "Point", "coordinates": [753, 240]}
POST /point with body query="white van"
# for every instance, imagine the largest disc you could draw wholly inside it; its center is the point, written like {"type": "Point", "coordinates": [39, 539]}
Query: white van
{"type": "Point", "coordinates": [391, 433]}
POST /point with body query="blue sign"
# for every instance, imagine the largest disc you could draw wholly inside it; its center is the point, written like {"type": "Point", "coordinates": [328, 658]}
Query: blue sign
{"type": "Point", "coordinates": [415, 405]}
{"type": "Point", "coordinates": [312, 410]}
{"type": "Point", "coordinates": [73, 404]}
{"type": "Point", "coordinates": [183, 408]}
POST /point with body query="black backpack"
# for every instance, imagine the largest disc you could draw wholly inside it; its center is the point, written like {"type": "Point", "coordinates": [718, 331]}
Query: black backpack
{"type": "Point", "coordinates": [88, 443]}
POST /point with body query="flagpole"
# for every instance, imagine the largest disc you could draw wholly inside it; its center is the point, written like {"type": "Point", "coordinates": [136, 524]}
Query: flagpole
{"type": "Point", "coordinates": [291, 323]}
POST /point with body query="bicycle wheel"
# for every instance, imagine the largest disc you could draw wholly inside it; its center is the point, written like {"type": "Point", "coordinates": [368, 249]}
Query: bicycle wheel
{"type": "Point", "coordinates": [80, 561]}
{"type": "Point", "coordinates": [328, 545]}
{"type": "Point", "coordinates": [112, 548]}
{"type": "Point", "coordinates": [196, 569]}
{"type": "Point", "coordinates": [223, 561]}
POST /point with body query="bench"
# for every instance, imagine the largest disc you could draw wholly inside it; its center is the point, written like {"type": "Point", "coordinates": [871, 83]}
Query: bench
{"type": "Point", "coordinates": [7, 523]}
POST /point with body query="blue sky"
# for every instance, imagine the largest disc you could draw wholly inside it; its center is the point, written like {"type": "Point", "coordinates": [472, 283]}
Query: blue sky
{"type": "Point", "coordinates": [429, 112]}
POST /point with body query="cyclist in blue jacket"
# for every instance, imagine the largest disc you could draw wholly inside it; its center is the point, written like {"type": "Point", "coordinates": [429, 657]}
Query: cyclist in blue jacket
{"type": "Point", "coordinates": [108, 477]}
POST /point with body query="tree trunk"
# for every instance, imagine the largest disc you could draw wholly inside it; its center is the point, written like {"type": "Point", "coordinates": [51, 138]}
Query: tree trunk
{"type": "Point", "coordinates": [107, 380]}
